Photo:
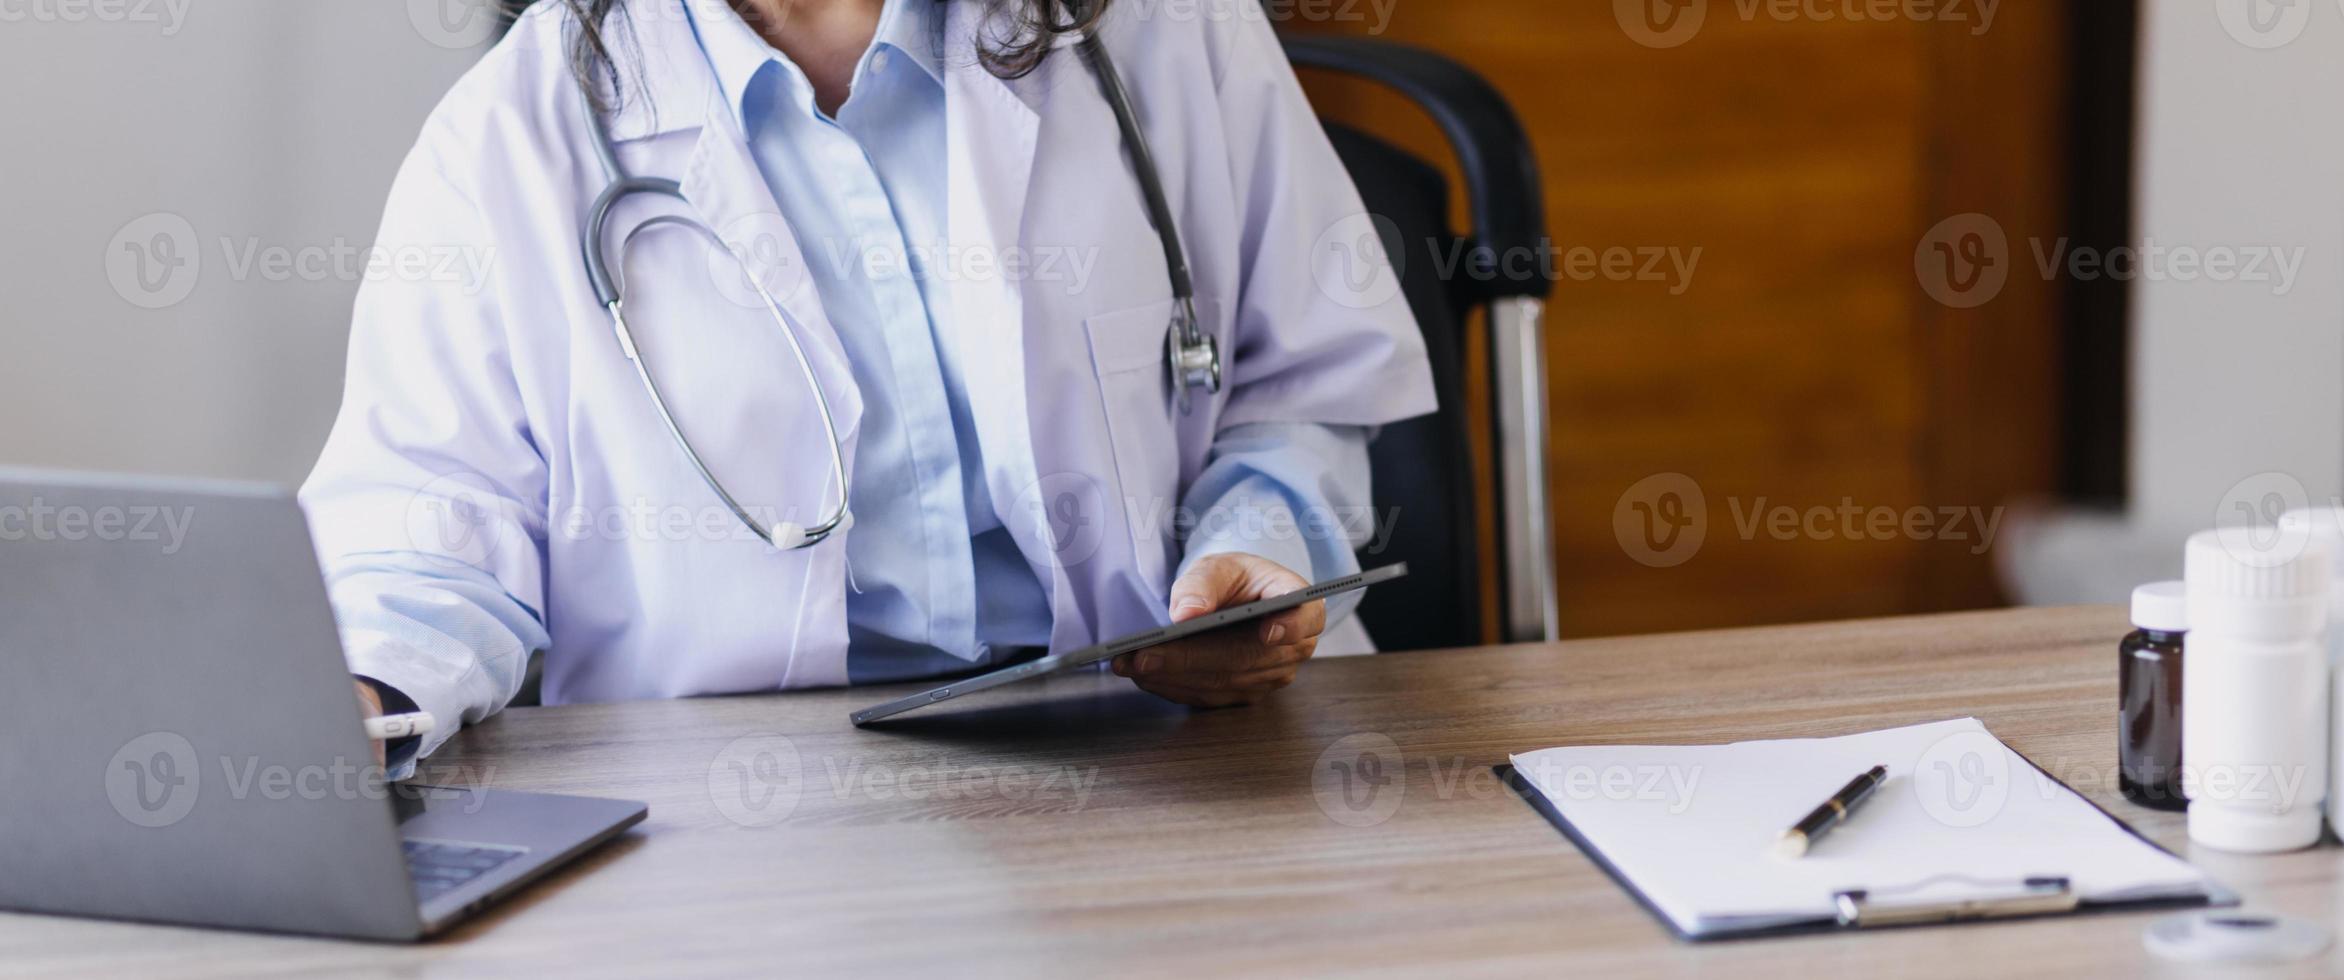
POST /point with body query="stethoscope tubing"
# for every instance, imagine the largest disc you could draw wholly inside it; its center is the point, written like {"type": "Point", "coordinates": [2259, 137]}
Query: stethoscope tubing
{"type": "Point", "coordinates": [1193, 358]}
{"type": "Point", "coordinates": [609, 288]}
{"type": "Point", "coordinates": [774, 534]}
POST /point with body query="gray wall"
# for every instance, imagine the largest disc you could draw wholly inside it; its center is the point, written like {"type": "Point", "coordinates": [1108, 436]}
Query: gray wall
{"type": "Point", "coordinates": [2241, 142]}
{"type": "Point", "coordinates": [2237, 386]}
{"type": "Point", "coordinates": [268, 127]}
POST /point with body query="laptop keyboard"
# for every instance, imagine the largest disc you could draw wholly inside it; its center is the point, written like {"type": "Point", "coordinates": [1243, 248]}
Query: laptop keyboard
{"type": "Point", "coordinates": [440, 867]}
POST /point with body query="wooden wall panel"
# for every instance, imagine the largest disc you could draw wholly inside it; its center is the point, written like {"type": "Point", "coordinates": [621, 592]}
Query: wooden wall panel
{"type": "Point", "coordinates": [1802, 364]}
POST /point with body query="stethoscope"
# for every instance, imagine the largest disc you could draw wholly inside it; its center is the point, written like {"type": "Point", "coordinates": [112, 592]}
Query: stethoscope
{"type": "Point", "coordinates": [1192, 355]}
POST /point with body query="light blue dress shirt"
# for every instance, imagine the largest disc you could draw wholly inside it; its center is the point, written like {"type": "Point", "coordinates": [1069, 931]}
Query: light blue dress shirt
{"type": "Point", "coordinates": [864, 193]}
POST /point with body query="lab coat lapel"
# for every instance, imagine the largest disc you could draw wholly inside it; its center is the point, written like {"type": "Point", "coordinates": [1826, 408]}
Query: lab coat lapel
{"type": "Point", "coordinates": [723, 183]}
{"type": "Point", "coordinates": [992, 127]}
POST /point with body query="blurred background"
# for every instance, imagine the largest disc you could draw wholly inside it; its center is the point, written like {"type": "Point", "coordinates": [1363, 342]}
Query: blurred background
{"type": "Point", "coordinates": [1862, 308]}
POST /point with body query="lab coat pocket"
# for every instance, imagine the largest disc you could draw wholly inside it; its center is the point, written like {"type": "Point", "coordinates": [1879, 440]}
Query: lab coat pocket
{"type": "Point", "coordinates": [1127, 352]}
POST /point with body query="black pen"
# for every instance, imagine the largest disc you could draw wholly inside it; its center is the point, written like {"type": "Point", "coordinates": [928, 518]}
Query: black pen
{"type": "Point", "coordinates": [1832, 813]}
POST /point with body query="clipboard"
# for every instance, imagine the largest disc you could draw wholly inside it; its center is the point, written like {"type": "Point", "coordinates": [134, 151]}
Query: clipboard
{"type": "Point", "coordinates": [1897, 905]}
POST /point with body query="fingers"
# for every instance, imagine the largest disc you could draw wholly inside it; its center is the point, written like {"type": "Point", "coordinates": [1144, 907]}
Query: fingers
{"type": "Point", "coordinates": [1213, 657]}
{"type": "Point", "coordinates": [1241, 663]}
{"type": "Point", "coordinates": [1239, 687]}
{"type": "Point", "coordinates": [1216, 581]}
{"type": "Point", "coordinates": [1218, 675]}
{"type": "Point", "coordinates": [1233, 578]}
{"type": "Point", "coordinates": [1243, 690]}
{"type": "Point", "coordinates": [1217, 654]}
{"type": "Point", "coordinates": [1301, 623]}
{"type": "Point", "coordinates": [1263, 680]}
{"type": "Point", "coordinates": [1259, 681]}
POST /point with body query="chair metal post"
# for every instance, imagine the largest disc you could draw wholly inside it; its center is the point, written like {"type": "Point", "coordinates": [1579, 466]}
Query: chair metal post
{"type": "Point", "coordinates": [1518, 377]}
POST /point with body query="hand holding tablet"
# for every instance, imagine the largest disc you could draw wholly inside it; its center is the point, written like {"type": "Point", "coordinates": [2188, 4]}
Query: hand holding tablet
{"type": "Point", "coordinates": [1129, 644]}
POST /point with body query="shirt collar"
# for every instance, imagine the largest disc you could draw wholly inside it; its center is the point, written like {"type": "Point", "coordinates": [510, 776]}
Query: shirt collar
{"type": "Point", "coordinates": [915, 28]}
{"type": "Point", "coordinates": [912, 28]}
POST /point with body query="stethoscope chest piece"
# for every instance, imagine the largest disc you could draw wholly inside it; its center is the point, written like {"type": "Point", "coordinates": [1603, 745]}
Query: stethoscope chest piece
{"type": "Point", "coordinates": [1195, 357]}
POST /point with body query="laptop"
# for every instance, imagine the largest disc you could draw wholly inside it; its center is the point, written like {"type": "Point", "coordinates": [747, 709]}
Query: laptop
{"type": "Point", "coordinates": [180, 740]}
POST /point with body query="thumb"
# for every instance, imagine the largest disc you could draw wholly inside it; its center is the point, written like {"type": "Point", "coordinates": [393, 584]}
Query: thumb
{"type": "Point", "coordinates": [1208, 585]}
{"type": "Point", "coordinates": [370, 703]}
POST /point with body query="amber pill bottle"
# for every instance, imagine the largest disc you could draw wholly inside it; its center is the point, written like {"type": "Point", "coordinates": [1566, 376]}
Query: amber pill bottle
{"type": "Point", "coordinates": [2148, 723]}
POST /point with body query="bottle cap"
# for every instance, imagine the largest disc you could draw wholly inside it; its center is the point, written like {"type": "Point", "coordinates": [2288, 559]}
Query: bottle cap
{"type": "Point", "coordinates": [2236, 587]}
{"type": "Point", "coordinates": [2324, 524]}
{"type": "Point", "coordinates": [2161, 606]}
{"type": "Point", "coordinates": [2220, 567]}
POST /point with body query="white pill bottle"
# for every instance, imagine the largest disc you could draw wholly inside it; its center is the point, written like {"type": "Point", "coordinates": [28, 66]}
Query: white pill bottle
{"type": "Point", "coordinates": [2254, 689]}
{"type": "Point", "coordinates": [2326, 524]}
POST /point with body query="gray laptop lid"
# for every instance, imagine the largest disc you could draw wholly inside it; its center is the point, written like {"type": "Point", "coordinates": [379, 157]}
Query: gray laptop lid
{"type": "Point", "coordinates": [179, 740]}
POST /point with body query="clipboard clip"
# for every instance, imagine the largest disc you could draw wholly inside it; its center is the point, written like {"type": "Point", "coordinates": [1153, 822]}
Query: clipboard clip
{"type": "Point", "coordinates": [1861, 908]}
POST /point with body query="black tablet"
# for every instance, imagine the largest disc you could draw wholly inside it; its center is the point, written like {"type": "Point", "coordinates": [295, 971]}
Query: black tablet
{"type": "Point", "coordinates": [1139, 641]}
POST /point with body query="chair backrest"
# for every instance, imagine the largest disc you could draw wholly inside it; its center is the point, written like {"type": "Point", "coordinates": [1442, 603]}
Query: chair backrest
{"type": "Point", "coordinates": [1424, 492]}
{"type": "Point", "coordinates": [1425, 511]}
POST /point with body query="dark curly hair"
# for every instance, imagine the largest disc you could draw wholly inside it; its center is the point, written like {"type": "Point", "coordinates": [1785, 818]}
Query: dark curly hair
{"type": "Point", "coordinates": [1021, 34]}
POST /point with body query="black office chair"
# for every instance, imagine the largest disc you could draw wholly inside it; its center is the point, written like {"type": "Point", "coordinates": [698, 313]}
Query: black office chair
{"type": "Point", "coordinates": [1423, 472]}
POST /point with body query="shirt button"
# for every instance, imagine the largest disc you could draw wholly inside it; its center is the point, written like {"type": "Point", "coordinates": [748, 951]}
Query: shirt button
{"type": "Point", "coordinates": [879, 61]}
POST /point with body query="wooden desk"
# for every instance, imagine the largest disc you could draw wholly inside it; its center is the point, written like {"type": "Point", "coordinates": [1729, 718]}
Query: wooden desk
{"type": "Point", "coordinates": [1078, 826]}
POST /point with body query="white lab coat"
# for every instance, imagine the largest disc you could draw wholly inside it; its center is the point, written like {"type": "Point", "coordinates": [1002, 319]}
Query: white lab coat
{"type": "Point", "coordinates": [494, 422]}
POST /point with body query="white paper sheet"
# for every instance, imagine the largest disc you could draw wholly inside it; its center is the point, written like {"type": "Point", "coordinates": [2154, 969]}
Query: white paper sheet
{"type": "Point", "coordinates": [1694, 827]}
